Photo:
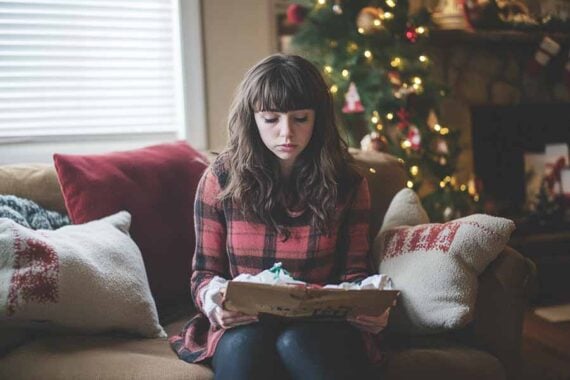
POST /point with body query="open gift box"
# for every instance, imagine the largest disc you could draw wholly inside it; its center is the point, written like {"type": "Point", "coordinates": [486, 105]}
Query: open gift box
{"type": "Point", "coordinates": [302, 301]}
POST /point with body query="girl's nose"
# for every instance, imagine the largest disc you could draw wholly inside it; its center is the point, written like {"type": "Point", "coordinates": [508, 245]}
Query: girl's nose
{"type": "Point", "coordinates": [285, 127]}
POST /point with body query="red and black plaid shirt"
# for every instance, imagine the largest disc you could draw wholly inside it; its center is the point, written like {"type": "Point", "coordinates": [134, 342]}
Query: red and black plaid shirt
{"type": "Point", "coordinates": [227, 245]}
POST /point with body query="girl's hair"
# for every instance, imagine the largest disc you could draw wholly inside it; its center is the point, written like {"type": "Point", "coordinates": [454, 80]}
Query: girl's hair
{"type": "Point", "coordinates": [323, 174]}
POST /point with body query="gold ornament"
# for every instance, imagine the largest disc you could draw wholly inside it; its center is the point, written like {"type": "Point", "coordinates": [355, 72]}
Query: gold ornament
{"type": "Point", "coordinates": [369, 20]}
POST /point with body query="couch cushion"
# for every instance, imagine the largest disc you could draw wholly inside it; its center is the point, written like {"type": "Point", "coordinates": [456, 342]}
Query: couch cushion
{"type": "Point", "coordinates": [37, 182]}
{"type": "Point", "coordinates": [442, 363]}
{"type": "Point", "coordinates": [157, 185]}
{"type": "Point", "coordinates": [79, 357]}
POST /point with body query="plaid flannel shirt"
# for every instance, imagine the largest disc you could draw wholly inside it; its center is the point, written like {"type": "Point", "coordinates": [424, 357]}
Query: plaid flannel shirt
{"type": "Point", "coordinates": [227, 245]}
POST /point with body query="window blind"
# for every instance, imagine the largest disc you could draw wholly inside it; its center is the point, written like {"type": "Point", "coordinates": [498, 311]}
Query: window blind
{"type": "Point", "coordinates": [89, 67]}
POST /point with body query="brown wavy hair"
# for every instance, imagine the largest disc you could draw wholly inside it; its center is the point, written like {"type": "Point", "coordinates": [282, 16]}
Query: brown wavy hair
{"type": "Point", "coordinates": [323, 175]}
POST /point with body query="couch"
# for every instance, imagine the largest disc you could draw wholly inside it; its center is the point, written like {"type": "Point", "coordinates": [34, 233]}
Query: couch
{"type": "Point", "coordinates": [488, 348]}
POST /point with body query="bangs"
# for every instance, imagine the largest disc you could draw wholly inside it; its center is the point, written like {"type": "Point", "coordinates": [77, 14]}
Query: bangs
{"type": "Point", "coordinates": [284, 89]}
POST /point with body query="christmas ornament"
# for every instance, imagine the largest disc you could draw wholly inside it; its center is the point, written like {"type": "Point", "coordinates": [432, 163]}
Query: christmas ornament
{"type": "Point", "coordinates": [441, 147]}
{"type": "Point", "coordinates": [411, 34]}
{"type": "Point", "coordinates": [374, 141]}
{"type": "Point", "coordinates": [404, 117]}
{"type": "Point", "coordinates": [369, 20]}
{"type": "Point", "coordinates": [547, 49]}
{"type": "Point", "coordinates": [515, 12]}
{"type": "Point", "coordinates": [415, 138]}
{"type": "Point", "coordinates": [352, 102]}
{"type": "Point", "coordinates": [296, 14]}
{"type": "Point", "coordinates": [394, 78]}
{"type": "Point", "coordinates": [404, 91]}
{"type": "Point", "coordinates": [337, 8]}
{"type": "Point", "coordinates": [432, 120]}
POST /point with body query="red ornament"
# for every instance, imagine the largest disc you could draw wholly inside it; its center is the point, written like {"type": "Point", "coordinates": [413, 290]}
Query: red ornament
{"type": "Point", "coordinates": [404, 117]}
{"type": "Point", "coordinates": [411, 34]}
{"type": "Point", "coordinates": [415, 138]}
{"type": "Point", "coordinates": [296, 14]}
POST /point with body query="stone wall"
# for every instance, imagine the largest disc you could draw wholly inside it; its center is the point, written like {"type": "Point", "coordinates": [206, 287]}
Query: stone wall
{"type": "Point", "coordinates": [487, 72]}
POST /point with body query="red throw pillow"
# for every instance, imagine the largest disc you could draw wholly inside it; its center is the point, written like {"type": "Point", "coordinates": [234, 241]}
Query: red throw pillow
{"type": "Point", "coordinates": [157, 185]}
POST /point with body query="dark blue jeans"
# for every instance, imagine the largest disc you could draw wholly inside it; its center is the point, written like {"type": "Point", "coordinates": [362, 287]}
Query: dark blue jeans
{"type": "Point", "coordinates": [273, 349]}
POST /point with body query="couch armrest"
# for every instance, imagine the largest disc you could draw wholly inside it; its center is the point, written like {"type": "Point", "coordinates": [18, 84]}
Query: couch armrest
{"type": "Point", "coordinates": [504, 290]}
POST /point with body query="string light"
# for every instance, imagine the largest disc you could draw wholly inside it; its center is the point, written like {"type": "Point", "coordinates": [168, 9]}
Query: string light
{"type": "Point", "coordinates": [322, 2]}
{"type": "Point", "coordinates": [444, 131]}
{"type": "Point", "coordinates": [361, 30]}
{"type": "Point", "coordinates": [476, 198]}
{"type": "Point", "coordinates": [437, 127]}
{"type": "Point", "coordinates": [368, 54]}
{"type": "Point", "coordinates": [387, 16]}
{"type": "Point", "coordinates": [463, 188]}
{"type": "Point", "coordinates": [420, 30]}
{"type": "Point", "coordinates": [410, 184]}
{"type": "Point", "coordinates": [389, 116]}
{"type": "Point", "coordinates": [379, 127]}
{"type": "Point", "coordinates": [372, 170]}
{"type": "Point", "coordinates": [401, 160]}
{"type": "Point", "coordinates": [375, 117]}
{"type": "Point", "coordinates": [406, 144]}
{"type": "Point", "coordinates": [442, 184]}
{"type": "Point", "coordinates": [423, 58]}
{"type": "Point", "coordinates": [417, 80]}
{"type": "Point", "coordinates": [396, 62]}
{"type": "Point", "coordinates": [391, 3]}
{"type": "Point", "coordinates": [328, 69]}
{"type": "Point", "coordinates": [414, 170]}
{"type": "Point", "coordinates": [334, 89]}
{"type": "Point", "coordinates": [345, 73]}
{"type": "Point", "coordinates": [377, 22]}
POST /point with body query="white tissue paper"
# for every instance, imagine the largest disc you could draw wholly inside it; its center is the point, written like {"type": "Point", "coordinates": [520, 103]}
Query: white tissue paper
{"type": "Point", "coordinates": [277, 275]}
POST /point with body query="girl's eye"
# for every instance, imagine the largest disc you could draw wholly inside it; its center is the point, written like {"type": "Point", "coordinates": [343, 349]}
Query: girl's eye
{"type": "Point", "coordinates": [270, 121]}
{"type": "Point", "coordinates": [301, 119]}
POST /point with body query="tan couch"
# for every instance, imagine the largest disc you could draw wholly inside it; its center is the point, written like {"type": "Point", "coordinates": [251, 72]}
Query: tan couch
{"type": "Point", "coordinates": [487, 349]}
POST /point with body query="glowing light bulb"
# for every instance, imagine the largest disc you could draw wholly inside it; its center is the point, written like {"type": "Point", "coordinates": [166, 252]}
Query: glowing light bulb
{"type": "Point", "coordinates": [406, 144]}
{"type": "Point", "coordinates": [322, 2]}
{"type": "Point", "coordinates": [463, 188]}
{"type": "Point", "coordinates": [334, 89]}
{"type": "Point", "coordinates": [437, 127]}
{"type": "Point", "coordinates": [361, 30]}
{"type": "Point", "coordinates": [377, 22]}
{"type": "Point", "coordinates": [372, 170]}
{"type": "Point", "coordinates": [420, 30]}
{"type": "Point", "coordinates": [396, 62]}
{"type": "Point", "coordinates": [368, 54]}
{"type": "Point", "coordinates": [414, 170]}
{"type": "Point", "coordinates": [379, 127]}
{"type": "Point", "coordinates": [410, 184]}
{"type": "Point", "coordinates": [328, 69]}
{"type": "Point", "coordinates": [374, 119]}
{"type": "Point", "coordinates": [389, 116]}
{"type": "Point", "coordinates": [423, 58]}
{"type": "Point", "coordinates": [345, 73]}
{"type": "Point", "coordinates": [417, 80]}
{"type": "Point", "coordinates": [444, 131]}
{"type": "Point", "coordinates": [391, 3]}
{"type": "Point", "coordinates": [442, 184]}
{"type": "Point", "coordinates": [387, 16]}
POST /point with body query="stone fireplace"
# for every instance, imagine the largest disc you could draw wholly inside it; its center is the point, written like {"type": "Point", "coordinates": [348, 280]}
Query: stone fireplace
{"type": "Point", "coordinates": [498, 107]}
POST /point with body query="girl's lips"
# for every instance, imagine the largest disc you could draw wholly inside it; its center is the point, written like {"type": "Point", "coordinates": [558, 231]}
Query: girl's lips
{"type": "Point", "coordinates": [286, 147]}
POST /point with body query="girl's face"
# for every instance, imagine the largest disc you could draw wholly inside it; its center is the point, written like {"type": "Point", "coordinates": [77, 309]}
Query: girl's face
{"type": "Point", "coordinates": [286, 134]}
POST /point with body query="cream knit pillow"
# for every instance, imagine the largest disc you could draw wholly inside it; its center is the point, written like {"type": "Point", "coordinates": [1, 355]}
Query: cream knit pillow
{"type": "Point", "coordinates": [435, 266]}
{"type": "Point", "coordinates": [87, 278]}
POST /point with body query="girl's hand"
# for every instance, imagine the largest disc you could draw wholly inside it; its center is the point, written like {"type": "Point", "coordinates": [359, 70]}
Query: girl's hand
{"type": "Point", "coordinates": [227, 319]}
{"type": "Point", "coordinates": [371, 323]}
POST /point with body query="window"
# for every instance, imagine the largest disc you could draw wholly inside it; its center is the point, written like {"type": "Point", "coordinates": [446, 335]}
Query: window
{"type": "Point", "coordinates": [90, 68]}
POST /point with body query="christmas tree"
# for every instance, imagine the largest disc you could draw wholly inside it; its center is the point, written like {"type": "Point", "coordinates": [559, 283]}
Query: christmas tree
{"type": "Point", "coordinates": [373, 55]}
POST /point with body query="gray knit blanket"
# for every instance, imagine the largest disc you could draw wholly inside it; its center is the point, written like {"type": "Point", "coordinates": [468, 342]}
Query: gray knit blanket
{"type": "Point", "coordinates": [30, 214]}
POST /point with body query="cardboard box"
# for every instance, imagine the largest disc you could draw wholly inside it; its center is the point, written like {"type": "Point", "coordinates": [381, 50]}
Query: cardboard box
{"type": "Point", "coordinates": [302, 301]}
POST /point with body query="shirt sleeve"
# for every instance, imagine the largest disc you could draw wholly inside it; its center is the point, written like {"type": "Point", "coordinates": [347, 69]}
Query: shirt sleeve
{"type": "Point", "coordinates": [358, 264]}
{"type": "Point", "coordinates": [210, 258]}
